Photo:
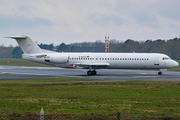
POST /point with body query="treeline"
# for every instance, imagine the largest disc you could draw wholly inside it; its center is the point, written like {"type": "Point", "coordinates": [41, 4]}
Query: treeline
{"type": "Point", "coordinates": [6, 52]}
{"type": "Point", "coordinates": [97, 46]}
{"type": "Point", "coordinates": [169, 47]}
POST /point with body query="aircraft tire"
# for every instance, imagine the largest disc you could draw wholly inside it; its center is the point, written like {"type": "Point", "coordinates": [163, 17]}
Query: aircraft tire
{"type": "Point", "coordinates": [94, 72]}
{"type": "Point", "coordinates": [89, 72]}
{"type": "Point", "coordinates": [160, 73]}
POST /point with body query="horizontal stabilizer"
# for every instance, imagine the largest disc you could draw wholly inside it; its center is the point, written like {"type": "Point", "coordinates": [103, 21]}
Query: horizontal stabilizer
{"type": "Point", "coordinates": [17, 37]}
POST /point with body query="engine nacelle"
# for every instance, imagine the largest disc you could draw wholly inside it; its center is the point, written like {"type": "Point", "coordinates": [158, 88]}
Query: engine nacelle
{"type": "Point", "coordinates": [58, 59]}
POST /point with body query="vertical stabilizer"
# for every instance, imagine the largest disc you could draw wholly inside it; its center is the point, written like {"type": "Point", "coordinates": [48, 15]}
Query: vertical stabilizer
{"type": "Point", "coordinates": [27, 45]}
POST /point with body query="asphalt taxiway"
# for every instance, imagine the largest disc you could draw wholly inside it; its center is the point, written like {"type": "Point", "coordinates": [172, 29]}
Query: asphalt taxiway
{"type": "Point", "coordinates": [19, 72]}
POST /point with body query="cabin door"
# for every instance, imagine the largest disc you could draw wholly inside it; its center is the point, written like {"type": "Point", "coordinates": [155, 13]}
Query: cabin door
{"type": "Point", "coordinates": [156, 61]}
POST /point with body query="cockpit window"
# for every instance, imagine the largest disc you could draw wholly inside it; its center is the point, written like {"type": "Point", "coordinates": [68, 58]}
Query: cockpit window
{"type": "Point", "coordinates": [166, 58]}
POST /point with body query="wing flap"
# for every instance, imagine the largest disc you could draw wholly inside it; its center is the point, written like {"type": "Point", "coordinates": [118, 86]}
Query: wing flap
{"type": "Point", "coordinates": [92, 65]}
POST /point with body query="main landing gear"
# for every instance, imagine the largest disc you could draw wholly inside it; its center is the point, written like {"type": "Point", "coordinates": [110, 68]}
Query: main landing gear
{"type": "Point", "coordinates": [91, 72]}
{"type": "Point", "coordinates": [159, 73]}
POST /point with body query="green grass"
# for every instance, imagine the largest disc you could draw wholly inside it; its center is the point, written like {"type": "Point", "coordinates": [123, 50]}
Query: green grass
{"type": "Point", "coordinates": [28, 96]}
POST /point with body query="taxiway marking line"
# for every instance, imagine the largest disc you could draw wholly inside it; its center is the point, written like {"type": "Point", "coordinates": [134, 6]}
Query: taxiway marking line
{"type": "Point", "coordinates": [22, 73]}
{"type": "Point", "coordinates": [144, 76]}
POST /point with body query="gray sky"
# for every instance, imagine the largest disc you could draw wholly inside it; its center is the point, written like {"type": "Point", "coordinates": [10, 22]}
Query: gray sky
{"type": "Point", "coordinates": [69, 21]}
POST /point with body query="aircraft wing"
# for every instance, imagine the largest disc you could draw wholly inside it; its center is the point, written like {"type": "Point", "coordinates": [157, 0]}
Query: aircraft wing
{"type": "Point", "coordinates": [92, 65]}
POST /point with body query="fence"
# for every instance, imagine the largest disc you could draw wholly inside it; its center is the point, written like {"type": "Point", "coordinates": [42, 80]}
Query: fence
{"type": "Point", "coordinates": [92, 117]}
{"type": "Point", "coordinates": [115, 116]}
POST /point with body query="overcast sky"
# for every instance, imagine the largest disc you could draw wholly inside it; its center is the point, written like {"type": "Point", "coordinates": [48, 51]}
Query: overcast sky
{"type": "Point", "coordinates": [70, 21]}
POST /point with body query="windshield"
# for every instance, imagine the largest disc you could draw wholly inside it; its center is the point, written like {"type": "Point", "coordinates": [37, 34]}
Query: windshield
{"type": "Point", "coordinates": [166, 58]}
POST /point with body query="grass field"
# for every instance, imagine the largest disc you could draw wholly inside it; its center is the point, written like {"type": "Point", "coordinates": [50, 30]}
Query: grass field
{"type": "Point", "coordinates": [28, 96]}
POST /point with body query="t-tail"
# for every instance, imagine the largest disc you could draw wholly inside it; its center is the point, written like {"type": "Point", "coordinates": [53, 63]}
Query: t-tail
{"type": "Point", "coordinates": [27, 45]}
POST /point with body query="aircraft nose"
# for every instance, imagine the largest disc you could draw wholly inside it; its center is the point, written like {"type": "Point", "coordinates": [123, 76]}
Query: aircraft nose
{"type": "Point", "coordinates": [176, 64]}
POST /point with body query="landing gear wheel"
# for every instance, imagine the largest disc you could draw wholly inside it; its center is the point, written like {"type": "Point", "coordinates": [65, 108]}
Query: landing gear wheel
{"type": "Point", "coordinates": [94, 72]}
{"type": "Point", "coordinates": [91, 72]}
{"type": "Point", "coordinates": [159, 73]}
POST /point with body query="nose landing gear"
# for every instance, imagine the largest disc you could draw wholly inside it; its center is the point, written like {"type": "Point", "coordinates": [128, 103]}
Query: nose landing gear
{"type": "Point", "coordinates": [159, 73]}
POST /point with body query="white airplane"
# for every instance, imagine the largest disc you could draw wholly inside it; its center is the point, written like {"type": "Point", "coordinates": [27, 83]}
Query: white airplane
{"type": "Point", "coordinates": [92, 61]}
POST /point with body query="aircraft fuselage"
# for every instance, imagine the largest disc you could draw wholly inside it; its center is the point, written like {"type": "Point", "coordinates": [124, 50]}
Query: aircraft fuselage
{"type": "Point", "coordinates": [109, 60]}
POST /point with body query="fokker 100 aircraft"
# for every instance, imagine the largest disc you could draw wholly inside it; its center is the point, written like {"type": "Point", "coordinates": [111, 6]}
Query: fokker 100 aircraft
{"type": "Point", "coordinates": [93, 61]}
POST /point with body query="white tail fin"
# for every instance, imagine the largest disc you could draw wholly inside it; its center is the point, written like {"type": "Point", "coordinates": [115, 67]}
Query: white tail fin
{"type": "Point", "coordinates": [27, 45]}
